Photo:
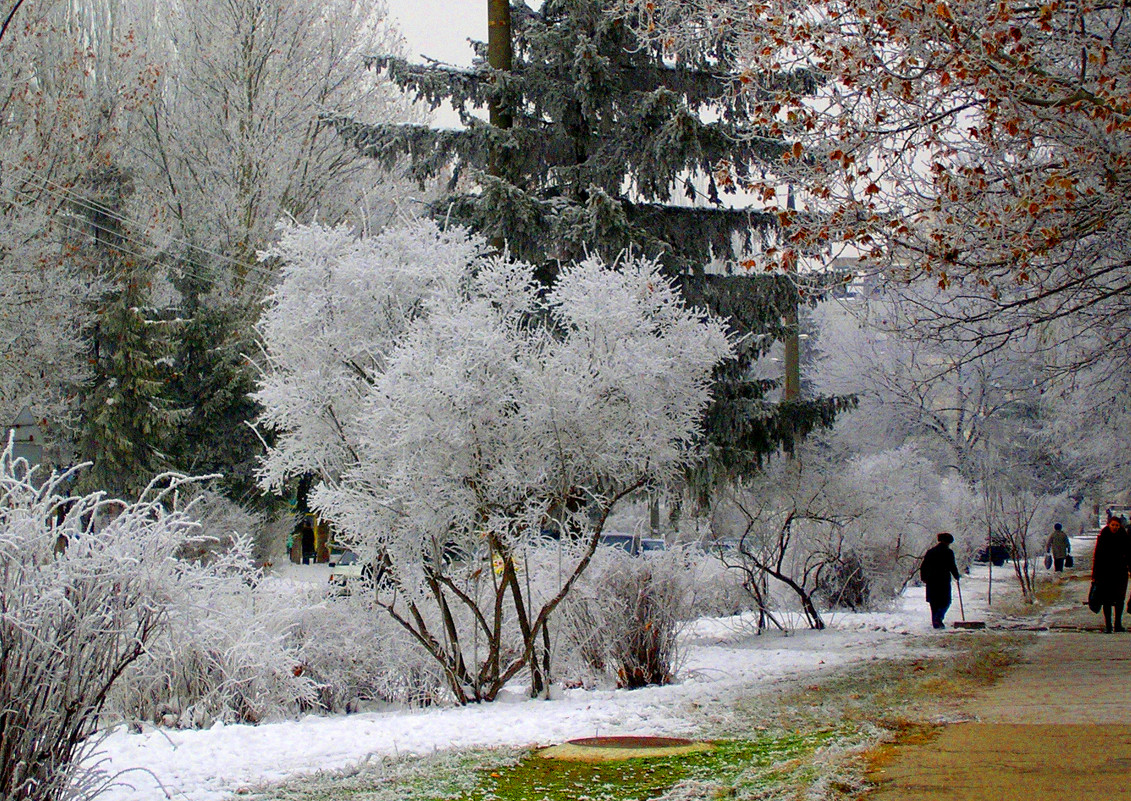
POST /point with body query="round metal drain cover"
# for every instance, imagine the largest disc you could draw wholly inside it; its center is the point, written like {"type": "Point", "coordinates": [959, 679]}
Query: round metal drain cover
{"type": "Point", "coordinates": [607, 749]}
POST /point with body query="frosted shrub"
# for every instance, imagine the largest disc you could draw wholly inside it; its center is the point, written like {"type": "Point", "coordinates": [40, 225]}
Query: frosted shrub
{"type": "Point", "coordinates": [266, 649]}
{"type": "Point", "coordinates": [623, 624]}
{"type": "Point", "coordinates": [86, 586]}
{"type": "Point", "coordinates": [845, 583]}
{"type": "Point", "coordinates": [464, 409]}
{"type": "Point", "coordinates": [716, 590]}
{"type": "Point", "coordinates": [228, 652]}
{"type": "Point", "coordinates": [221, 520]}
{"type": "Point", "coordinates": [356, 657]}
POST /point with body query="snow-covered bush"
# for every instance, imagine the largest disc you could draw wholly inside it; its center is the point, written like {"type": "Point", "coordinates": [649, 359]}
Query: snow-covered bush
{"type": "Point", "coordinates": [228, 652]}
{"type": "Point", "coordinates": [222, 520]}
{"type": "Point", "coordinates": [623, 622]}
{"type": "Point", "coordinates": [845, 583]}
{"type": "Point", "coordinates": [356, 658]}
{"type": "Point", "coordinates": [463, 410]}
{"type": "Point", "coordinates": [716, 590]}
{"type": "Point", "coordinates": [270, 648]}
{"type": "Point", "coordinates": [87, 584]}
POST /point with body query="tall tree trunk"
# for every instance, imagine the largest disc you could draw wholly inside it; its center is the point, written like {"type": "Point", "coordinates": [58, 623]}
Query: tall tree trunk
{"type": "Point", "coordinates": [500, 56]}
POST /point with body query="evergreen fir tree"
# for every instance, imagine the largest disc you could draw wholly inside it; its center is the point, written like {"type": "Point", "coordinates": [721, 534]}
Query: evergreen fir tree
{"type": "Point", "coordinates": [126, 416]}
{"type": "Point", "coordinates": [612, 148]}
{"type": "Point", "coordinates": [213, 379]}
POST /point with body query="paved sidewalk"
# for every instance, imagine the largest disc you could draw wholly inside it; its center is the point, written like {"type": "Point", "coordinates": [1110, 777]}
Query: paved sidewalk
{"type": "Point", "coordinates": [1057, 726]}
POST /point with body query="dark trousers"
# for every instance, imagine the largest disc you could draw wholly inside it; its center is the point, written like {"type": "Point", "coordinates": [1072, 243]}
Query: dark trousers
{"type": "Point", "coordinates": [1058, 564]}
{"type": "Point", "coordinates": [1118, 610]}
{"type": "Point", "coordinates": [938, 611]}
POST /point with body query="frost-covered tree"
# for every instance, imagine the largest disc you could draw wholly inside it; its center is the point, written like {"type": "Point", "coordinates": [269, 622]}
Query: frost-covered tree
{"type": "Point", "coordinates": [976, 145]}
{"type": "Point", "coordinates": [126, 417]}
{"type": "Point", "coordinates": [235, 135]}
{"type": "Point", "coordinates": [465, 415]}
{"type": "Point", "coordinates": [53, 128]}
{"type": "Point", "coordinates": [911, 389]}
{"type": "Point", "coordinates": [209, 115]}
{"type": "Point", "coordinates": [211, 378]}
{"type": "Point", "coordinates": [598, 144]}
{"type": "Point", "coordinates": [1086, 415]}
{"type": "Point", "coordinates": [607, 146]}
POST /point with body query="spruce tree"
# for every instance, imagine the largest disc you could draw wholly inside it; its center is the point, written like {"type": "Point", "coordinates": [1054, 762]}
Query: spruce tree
{"type": "Point", "coordinates": [611, 148]}
{"type": "Point", "coordinates": [126, 415]}
{"type": "Point", "coordinates": [213, 379]}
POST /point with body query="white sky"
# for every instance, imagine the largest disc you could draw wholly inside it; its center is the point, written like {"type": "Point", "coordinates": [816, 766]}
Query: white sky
{"type": "Point", "coordinates": [440, 28]}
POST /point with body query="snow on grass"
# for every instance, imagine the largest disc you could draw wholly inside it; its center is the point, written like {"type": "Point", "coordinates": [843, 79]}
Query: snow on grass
{"type": "Point", "coordinates": [726, 660]}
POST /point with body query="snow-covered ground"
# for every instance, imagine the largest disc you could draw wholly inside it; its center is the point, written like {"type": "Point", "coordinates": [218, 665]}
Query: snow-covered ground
{"type": "Point", "coordinates": [725, 660]}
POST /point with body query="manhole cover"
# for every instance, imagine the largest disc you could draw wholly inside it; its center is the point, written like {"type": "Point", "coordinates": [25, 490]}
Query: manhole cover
{"type": "Point", "coordinates": [607, 749]}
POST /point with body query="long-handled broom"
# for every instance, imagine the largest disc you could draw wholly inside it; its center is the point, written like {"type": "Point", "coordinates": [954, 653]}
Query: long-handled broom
{"type": "Point", "coordinates": [964, 623]}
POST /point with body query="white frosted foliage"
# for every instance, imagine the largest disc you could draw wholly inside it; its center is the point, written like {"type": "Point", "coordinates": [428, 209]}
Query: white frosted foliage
{"type": "Point", "coordinates": [447, 401]}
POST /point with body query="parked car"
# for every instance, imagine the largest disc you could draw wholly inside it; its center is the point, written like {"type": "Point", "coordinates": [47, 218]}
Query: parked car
{"type": "Point", "coordinates": [336, 553]}
{"type": "Point", "coordinates": [346, 569]}
{"type": "Point", "coordinates": [631, 544]}
{"type": "Point", "coordinates": [626, 542]}
{"type": "Point", "coordinates": [723, 546]}
{"type": "Point", "coordinates": [995, 553]}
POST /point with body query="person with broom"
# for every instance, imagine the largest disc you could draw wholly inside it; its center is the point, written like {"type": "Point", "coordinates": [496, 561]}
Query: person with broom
{"type": "Point", "coordinates": [937, 567]}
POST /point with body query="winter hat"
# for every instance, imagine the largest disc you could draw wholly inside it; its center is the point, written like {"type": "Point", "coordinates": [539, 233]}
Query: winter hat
{"type": "Point", "coordinates": [945, 537]}
{"type": "Point", "coordinates": [1058, 527]}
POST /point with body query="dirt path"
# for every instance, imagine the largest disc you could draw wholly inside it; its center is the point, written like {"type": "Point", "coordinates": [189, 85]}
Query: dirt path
{"type": "Point", "coordinates": [1057, 726]}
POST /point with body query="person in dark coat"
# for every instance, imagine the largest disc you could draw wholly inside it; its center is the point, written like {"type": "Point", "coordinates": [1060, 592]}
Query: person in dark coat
{"type": "Point", "coordinates": [936, 569]}
{"type": "Point", "coordinates": [1058, 547]}
{"type": "Point", "coordinates": [1110, 565]}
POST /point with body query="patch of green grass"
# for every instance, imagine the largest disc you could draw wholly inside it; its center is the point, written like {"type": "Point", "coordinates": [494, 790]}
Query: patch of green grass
{"type": "Point", "coordinates": [733, 767]}
{"type": "Point", "coordinates": [444, 774]}
{"type": "Point", "coordinates": [731, 763]}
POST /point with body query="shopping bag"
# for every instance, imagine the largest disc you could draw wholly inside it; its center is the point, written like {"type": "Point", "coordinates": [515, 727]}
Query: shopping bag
{"type": "Point", "coordinates": [1069, 561]}
{"type": "Point", "coordinates": [1048, 561]}
{"type": "Point", "coordinates": [1094, 602]}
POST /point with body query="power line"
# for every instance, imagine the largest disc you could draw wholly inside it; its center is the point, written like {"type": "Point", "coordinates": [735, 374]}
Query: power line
{"type": "Point", "coordinates": [62, 192]}
{"type": "Point", "coordinates": [262, 284]}
{"type": "Point", "coordinates": [142, 256]}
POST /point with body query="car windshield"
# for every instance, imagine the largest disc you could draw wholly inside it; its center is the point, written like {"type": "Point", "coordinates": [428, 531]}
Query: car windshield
{"type": "Point", "coordinates": [622, 541]}
{"type": "Point", "coordinates": [348, 558]}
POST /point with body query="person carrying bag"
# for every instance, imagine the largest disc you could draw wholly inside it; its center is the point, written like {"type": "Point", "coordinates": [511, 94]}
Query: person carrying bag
{"type": "Point", "coordinates": [1057, 549]}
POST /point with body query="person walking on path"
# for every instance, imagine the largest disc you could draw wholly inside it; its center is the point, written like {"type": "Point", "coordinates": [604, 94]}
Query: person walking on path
{"type": "Point", "coordinates": [936, 569]}
{"type": "Point", "coordinates": [1059, 547]}
{"type": "Point", "coordinates": [1110, 565]}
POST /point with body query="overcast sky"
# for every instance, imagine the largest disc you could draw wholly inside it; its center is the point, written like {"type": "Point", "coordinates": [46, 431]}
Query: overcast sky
{"type": "Point", "coordinates": [440, 28]}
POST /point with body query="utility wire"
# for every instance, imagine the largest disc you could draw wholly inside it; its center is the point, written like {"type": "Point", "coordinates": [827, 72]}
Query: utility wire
{"type": "Point", "coordinates": [263, 284]}
{"type": "Point", "coordinates": [62, 192]}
